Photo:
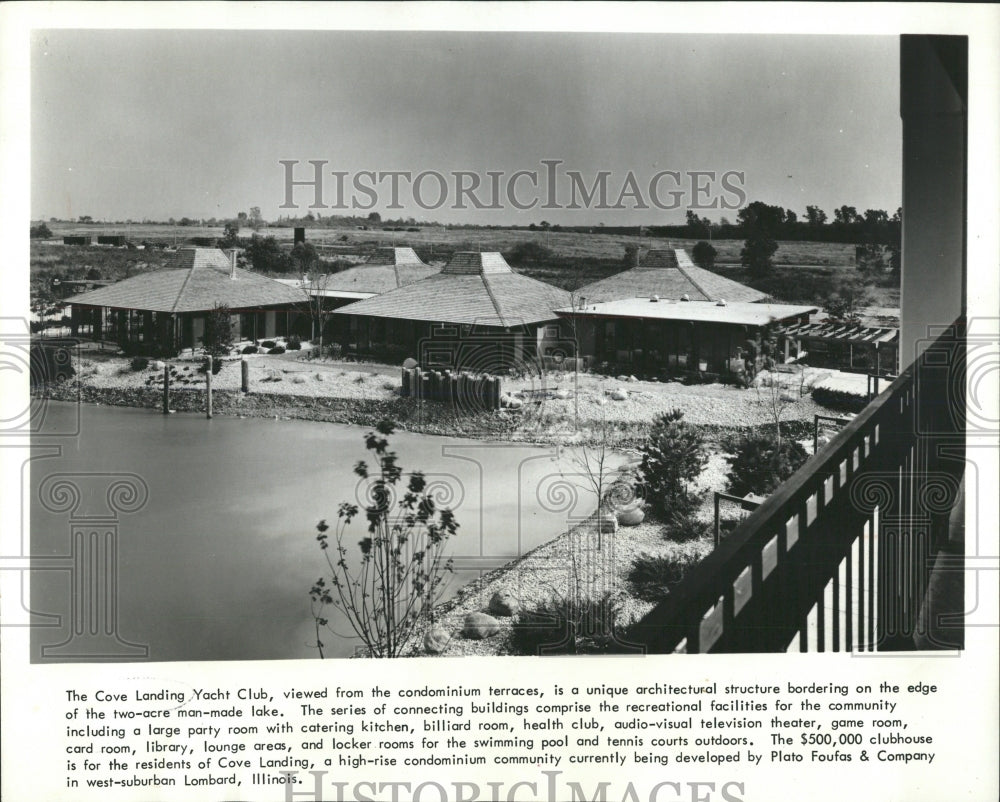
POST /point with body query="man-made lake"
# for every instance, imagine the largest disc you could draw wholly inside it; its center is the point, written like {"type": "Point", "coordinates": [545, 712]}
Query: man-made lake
{"type": "Point", "coordinates": [218, 561]}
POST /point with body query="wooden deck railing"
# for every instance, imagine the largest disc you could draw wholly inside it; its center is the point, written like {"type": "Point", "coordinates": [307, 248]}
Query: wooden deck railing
{"type": "Point", "coordinates": [839, 557]}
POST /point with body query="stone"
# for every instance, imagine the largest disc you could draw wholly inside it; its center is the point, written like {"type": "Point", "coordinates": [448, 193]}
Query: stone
{"type": "Point", "coordinates": [436, 639]}
{"type": "Point", "coordinates": [479, 626]}
{"type": "Point", "coordinates": [609, 523]}
{"type": "Point", "coordinates": [631, 516]}
{"type": "Point", "coordinates": [504, 603]}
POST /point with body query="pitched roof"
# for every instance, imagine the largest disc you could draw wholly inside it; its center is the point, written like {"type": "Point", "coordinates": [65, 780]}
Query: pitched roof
{"type": "Point", "coordinates": [386, 269]}
{"type": "Point", "coordinates": [738, 313]}
{"type": "Point", "coordinates": [194, 280]}
{"type": "Point", "coordinates": [669, 273]}
{"type": "Point", "coordinates": [472, 288]}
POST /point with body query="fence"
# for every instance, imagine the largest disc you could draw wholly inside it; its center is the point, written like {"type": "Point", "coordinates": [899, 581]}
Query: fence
{"type": "Point", "coordinates": [839, 557]}
{"type": "Point", "coordinates": [462, 389]}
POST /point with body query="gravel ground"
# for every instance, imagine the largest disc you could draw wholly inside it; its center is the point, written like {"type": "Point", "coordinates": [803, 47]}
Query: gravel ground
{"type": "Point", "coordinates": [564, 407]}
{"type": "Point", "coordinates": [546, 572]}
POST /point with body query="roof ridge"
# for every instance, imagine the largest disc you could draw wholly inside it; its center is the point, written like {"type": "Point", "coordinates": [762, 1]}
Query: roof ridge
{"type": "Point", "coordinates": [180, 293]}
{"type": "Point", "coordinates": [696, 284]}
{"type": "Point", "coordinates": [493, 300]}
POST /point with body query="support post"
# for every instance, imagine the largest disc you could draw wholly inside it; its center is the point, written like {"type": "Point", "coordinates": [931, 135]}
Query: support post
{"type": "Point", "coordinates": [208, 387]}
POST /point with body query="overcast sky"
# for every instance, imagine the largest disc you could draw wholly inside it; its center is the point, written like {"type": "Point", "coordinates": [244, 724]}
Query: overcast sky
{"type": "Point", "coordinates": [159, 124]}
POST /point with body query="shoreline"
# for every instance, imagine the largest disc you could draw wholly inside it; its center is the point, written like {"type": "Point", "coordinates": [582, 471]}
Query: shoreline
{"type": "Point", "coordinates": [409, 415]}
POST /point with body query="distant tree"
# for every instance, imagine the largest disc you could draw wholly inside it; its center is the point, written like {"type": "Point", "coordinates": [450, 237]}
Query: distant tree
{"type": "Point", "coordinates": [230, 234]}
{"type": "Point", "coordinates": [760, 222]}
{"type": "Point", "coordinates": [815, 216]}
{"type": "Point", "coordinates": [40, 231]}
{"type": "Point", "coordinates": [699, 226]}
{"type": "Point", "coordinates": [704, 255]}
{"type": "Point", "coordinates": [846, 215]}
{"type": "Point", "coordinates": [267, 256]}
{"type": "Point", "coordinates": [876, 217]}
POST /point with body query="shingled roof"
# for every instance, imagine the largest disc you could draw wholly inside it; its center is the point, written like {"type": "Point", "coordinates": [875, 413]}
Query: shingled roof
{"type": "Point", "coordinates": [194, 280]}
{"type": "Point", "coordinates": [668, 273]}
{"type": "Point", "coordinates": [473, 288]}
{"type": "Point", "coordinates": [387, 269]}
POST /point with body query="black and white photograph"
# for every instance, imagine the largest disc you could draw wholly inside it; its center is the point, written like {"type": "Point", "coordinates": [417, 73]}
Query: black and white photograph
{"type": "Point", "coordinates": [633, 384]}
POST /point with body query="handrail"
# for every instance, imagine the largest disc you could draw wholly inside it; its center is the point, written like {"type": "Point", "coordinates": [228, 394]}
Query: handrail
{"type": "Point", "coordinates": [869, 441]}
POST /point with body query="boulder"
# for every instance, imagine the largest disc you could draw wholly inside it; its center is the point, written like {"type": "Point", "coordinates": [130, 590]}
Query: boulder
{"type": "Point", "coordinates": [436, 639]}
{"type": "Point", "coordinates": [480, 626]}
{"type": "Point", "coordinates": [631, 516]}
{"type": "Point", "coordinates": [609, 523]}
{"type": "Point", "coordinates": [504, 603]}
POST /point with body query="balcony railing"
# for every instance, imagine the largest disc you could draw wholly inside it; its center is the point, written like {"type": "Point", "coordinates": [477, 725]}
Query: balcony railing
{"type": "Point", "coordinates": [840, 556]}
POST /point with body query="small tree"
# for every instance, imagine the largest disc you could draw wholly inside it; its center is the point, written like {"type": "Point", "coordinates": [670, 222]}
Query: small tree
{"type": "Point", "coordinates": [673, 455]}
{"type": "Point", "coordinates": [218, 338]}
{"type": "Point", "coordinates": [402, 562]}
{"type": "Point", "coordinates": [704, 255]}
{"type": "Point", "coordinates": [774, 394]}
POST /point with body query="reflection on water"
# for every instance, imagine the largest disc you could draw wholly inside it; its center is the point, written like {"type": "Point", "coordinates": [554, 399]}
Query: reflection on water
{"type": "Point", "coordinates": [218, 563]}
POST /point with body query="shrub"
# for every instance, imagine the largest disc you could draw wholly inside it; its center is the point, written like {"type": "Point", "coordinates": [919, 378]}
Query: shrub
{"type": "Point", "coordinates": [528, 252]}
{"type": "Point", "coordinates": [759, 465]}
{"type": "Point", "coordinates": [268, 344]}
{"type": "Point", "coordinates": [139, 363]}
{"type": "Point", "coordinates": [216, 366]}
{"type": "Point", "coordinates": [673, 455]}
{"type": "Point", "coordinates": [563, 626]}
{"type": "Point", "coordinates": [703, 255]}
{"type": "Point", "coordinates": [683, 527]}
{"type": "Point", "coordinates": [651, 577]}
{"type": "Point", "coordinates": [293, 344]}
{"type": "Point", "coordinates": [399, 577]}
{"type": "Point", "coordinates": [251, 349]}
{"type": "Point", "coordinates": [278, 349]}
